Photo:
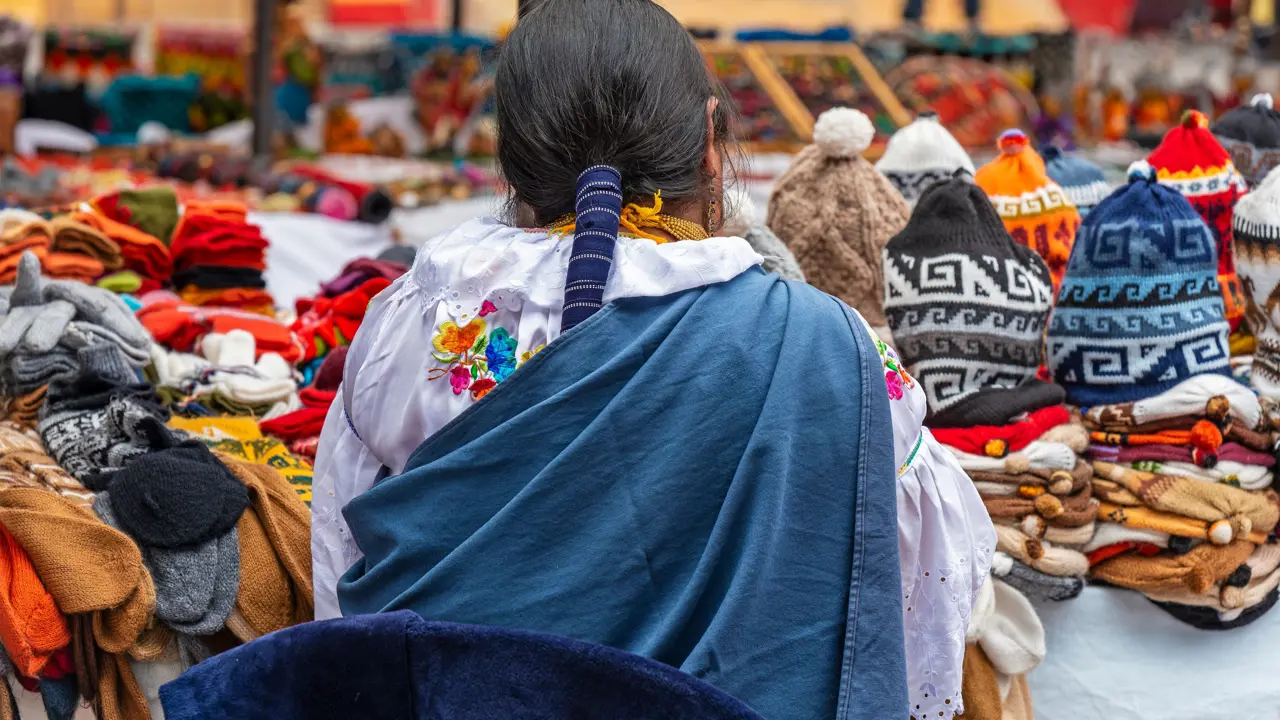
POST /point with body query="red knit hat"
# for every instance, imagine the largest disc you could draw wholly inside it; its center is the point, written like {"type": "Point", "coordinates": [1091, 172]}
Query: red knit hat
{"type": "Point", "coordinates": [1192, 161]}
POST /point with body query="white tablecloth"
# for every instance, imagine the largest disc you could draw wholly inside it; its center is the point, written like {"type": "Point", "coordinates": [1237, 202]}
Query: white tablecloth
{"type": "Point", "coordinates": [1113, 655]}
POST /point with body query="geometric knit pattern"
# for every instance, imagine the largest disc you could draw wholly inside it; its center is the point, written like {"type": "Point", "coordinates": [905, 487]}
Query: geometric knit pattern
{"type": "Point", "coordinates": [968, 322]}
{"type": "Point", "coordinates": [913, 184]}
{"type": "Point", "coordinates": [967, 306]}
{"type": "Point", "coordinates": [1140, 309]}
{"type": "Point", "coordinates": [1251, 134]}
{"type": "Point", "coordinates": [1034, 209]}
{"type": "Point", "coordinates": [1081, 180]}
{"type": "Point", "coordinates": [1190, 160]}
{"type": "Point", "coordinates": [1257, 239]}
{"type": "Point", "coordinates": [920, 154]}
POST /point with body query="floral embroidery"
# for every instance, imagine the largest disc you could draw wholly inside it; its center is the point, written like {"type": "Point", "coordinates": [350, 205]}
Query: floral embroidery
{"type": "Point", "coordinates": [893, 381]}
{"type": "Point", "coordinates": [501, 354]}
{"type": "Point", "coordinates": [896, 376]}
{"type": "Point", "coordinates": [527, 354]}
{"type": "Point", "coordinates": [474, 359]}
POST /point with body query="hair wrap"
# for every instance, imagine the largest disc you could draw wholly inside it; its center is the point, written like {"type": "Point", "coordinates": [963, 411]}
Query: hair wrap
{"type": "Point", "coordinates": [598, 207]}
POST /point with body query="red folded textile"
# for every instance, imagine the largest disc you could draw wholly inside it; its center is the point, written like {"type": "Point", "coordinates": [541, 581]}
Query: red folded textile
{"type": "Point", "coordinates": [325, 323]}
{"type": "Point", "coordinates": [178, 325]}
{"type": "Point", "coordinates": [1015, 436]}
{"type": "Point", "coordinates": [1106, 552]}
{"type": "Point", "coordinates": [299, 424]}
{"type": "Point", "coordinates": [204, 239]}
{"type": "Point", "coordinates": [313, 398]}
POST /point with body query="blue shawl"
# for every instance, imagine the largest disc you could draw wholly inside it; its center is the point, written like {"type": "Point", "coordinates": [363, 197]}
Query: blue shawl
{"type": "Point", "coordinates": [705, 479]}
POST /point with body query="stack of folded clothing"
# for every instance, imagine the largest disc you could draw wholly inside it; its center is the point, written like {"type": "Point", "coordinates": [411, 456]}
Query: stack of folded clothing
{"type": "Point", "coordinates": [230, 377]}
{"type": "Point", "coordinates": [44, 323]}
{"type": "Point", "coordinates": [301, 428]}
{"type": "Point", "coordinates": [1034, 208]}
{"type": "Point", "coordinates": [67, 250]}
{"type": "Point", "coordinates": [152, 210]}
{"type": "Point", "coordinates": [1139, 341]}
{"type": "Point", "coordinates": [144, 255]}
{"type": "Point", "coordinates": [325, 323]}
{"type": "Point", "coordinates": [218, 259]}
{"type": "Point", "coordinates": [973, 342]}
{"type": "Point", "coordinates": [1190, 160]}
{"type": "Point", "coordinates": [179, 325]}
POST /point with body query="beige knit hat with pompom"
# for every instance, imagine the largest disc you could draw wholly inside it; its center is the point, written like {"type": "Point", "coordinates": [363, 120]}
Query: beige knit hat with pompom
{"type": "Point", "coordinates": [836, 212]}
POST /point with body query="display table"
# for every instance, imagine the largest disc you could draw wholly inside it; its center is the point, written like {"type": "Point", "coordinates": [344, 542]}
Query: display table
{"type": "Point", "coordinates": [1113, 655]}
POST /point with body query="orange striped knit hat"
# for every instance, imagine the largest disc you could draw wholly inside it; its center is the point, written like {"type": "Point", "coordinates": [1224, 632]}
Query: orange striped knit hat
{"type": "Point", "coordinates": [1035, 210]}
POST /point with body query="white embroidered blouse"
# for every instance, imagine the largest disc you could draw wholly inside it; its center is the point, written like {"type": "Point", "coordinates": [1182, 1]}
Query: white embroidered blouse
{"type": "Point", "coordinates": [481, 299]}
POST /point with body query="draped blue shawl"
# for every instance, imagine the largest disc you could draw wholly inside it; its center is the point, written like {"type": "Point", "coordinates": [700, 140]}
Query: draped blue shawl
{"type": "Point", "coordinates": [705, 479]}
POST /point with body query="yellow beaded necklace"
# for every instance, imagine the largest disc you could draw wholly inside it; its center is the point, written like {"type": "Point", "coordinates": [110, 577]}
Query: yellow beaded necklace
{"type": "Point", "coordinates": [635, 219]}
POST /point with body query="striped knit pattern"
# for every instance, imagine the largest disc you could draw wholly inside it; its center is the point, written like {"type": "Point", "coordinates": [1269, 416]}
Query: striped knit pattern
{"type": "Point", "coordinates": [1140, 309]}
{"type": "Point", "coordinates": [599, 209]}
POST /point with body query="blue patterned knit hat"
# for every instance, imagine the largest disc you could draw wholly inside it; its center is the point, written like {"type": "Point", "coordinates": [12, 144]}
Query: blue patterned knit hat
{"type": "Point", "coordinates": [1081, 180]}
{"type": "Point", "coordinates": [1140, 309]}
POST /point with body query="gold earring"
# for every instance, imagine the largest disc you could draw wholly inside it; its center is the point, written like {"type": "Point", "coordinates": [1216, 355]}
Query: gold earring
{"type": "Point", "coordinates": [713, 222]}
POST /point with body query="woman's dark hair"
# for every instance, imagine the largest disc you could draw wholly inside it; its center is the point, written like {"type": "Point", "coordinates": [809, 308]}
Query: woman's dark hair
{"type": "Point", "coordinates": [604, 82]}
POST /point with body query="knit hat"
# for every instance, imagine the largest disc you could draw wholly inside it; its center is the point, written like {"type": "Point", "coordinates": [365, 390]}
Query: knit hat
{"type": "Point", "coordinates": [835, 212]}
{"type": "Point", "coordinates": [1139, 310]}
{"type": "Point", "coordinates": [744, 223]}
{"type": "Point", "coordinates": [1034, 208]}
{"type": "Point", "coordinates": [1251, 134]}
{"type": "Point", "coordinates": [1256, 227]}
{"type": "Point", "coordinates": [967, 307]}
{"type": "Point", "coordinates": [1192, 162]}
{"type": "Point", "coordinates": [921, 154]}
{"type": "Point", "coordinates": [1081, 180]}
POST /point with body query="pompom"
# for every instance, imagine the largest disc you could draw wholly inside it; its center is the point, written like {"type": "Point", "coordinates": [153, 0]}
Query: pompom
{"type": "Point", "coordinates": [1060, 482]}
{"type": "Point", "coordinates": [1231, 598]}
{"type": "Point", "coordinates": [995, 448]}
{"type": "Point", "coordinates": [742, 214]}
{"type": "Point", "coordinates": [1072, 435]}
{"type": "Point", "coordinates": [1001, 564]}
{"type": "Point", "coordinates": [1220, 533]}
{"type": "Point", "coordinates": [1034, 548]}
{"type": "Point", "coordinates": [1017, 463]}
{"type": "Point", "coordinates": [1204, 458]}
{"type": "Point", "coordinates": [1217, 408]}
{"type": "Point", "coordinates": [1032, 526]}
{"type": "Point", "coordinates": [843, 132]}
{"type": "Point", "coordinates": [1241, 525]}
{"type": "Point", "coordinates": [1030, 492]}
{"type": "Point", "coordinates": [1012, 142]}
{"type": "Point", "coordinates": [1049, 506]}
{"type": "Point", "coordinates": [1262, 100]}
{"type": "Point", "coordinates": [1141, 170]}
{"type": "Point", "coordinates": [1206, 437]}
{"type": "Point", "coordinates": [1194, 120]}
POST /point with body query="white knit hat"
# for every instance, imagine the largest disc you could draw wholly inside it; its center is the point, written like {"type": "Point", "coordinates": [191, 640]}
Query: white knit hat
{"type": "Point", "coordinates": [921, 154]}
{"type": "Point", "coordinates": [1256, 229]}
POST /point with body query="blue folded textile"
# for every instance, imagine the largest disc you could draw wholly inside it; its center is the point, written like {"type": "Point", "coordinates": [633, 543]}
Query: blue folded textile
{"type": "Point", "coordinates": [397, 666]}
{"type": "Point", "coordinates": [705, 479]}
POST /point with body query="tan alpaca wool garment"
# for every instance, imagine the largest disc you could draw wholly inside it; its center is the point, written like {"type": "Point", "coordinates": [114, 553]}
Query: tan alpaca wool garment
{"type": "Point", "coordinates": [835, 212]}
{"type": "Point", "coordinates": [1198, 500]}
{"type": "Point", "coordinates": [1197, 570]}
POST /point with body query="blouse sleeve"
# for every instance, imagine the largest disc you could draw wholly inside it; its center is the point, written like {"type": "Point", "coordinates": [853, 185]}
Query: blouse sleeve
{"type": "Point", "coordinates": [945, 544]}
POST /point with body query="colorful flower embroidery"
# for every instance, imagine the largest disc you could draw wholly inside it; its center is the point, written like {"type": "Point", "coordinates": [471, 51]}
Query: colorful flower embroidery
{"type": "Point", "coordinates": [893, 381]}
{"type": "Point", "coordinates": [527, 354]}
{"type": "Point", "coordinates": [501, 354]}
{"type": "Point", "coordinates": [473, 359]}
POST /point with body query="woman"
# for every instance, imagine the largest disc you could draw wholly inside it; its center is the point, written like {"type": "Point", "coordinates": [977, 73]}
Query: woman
{"type": "Point", "coordinates": [702, 473]}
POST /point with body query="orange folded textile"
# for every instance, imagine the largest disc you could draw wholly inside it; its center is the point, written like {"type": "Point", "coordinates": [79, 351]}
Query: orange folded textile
{"type": "Point", "coordinates": [226, 209]}
{"type": "Point", "coordinates": [143, 253]}
{"type": "Point", "coordinates": [76, 237]}
{"type": "Point", "coordinates": [19, 232]}
{"type": "Point", "coordinates": [9, 263]}
{"type": "Point", "coordinates": [250, 299]}
{"type": "Point", "coordinates": [31, 626]}
{"type": "Point", "coordinates": [70, 266]}
{"type": "Point", "coordinates": [1147, 519]}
